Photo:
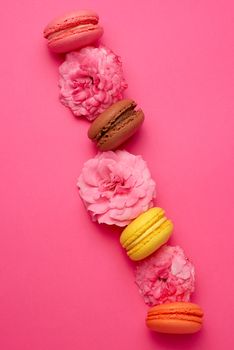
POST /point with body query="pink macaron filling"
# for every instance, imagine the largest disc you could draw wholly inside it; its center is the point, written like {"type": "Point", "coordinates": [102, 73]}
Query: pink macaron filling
{"type": "Point", "coordinates": [71, 19]}
{"type": "Point", "coordinates": [72, 31]}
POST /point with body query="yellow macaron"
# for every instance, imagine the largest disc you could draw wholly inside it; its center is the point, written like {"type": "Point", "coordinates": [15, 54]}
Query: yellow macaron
{"type": "Point", "coordinates": [146, 234]}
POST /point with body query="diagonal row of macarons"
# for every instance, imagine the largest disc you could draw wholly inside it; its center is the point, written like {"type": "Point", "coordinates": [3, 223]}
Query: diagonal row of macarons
{"type": "Point", "coordinates": [116, 186]}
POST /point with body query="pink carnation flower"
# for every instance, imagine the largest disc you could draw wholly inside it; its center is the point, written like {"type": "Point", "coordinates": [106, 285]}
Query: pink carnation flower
{"type": "Point", "coordinates": [90, 81]}
{"type": "Point", "coordinates": [167, 276]}
{"type": "Point", "coordinates": [116, 187]}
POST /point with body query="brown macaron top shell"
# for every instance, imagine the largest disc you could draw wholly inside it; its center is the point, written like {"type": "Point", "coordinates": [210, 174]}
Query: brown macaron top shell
{"type": "Point", "coordinates": [115, 125]}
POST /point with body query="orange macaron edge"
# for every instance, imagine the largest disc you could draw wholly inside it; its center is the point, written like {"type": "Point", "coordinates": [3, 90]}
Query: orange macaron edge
{"type": "Point", "coordinates": [175, 318]}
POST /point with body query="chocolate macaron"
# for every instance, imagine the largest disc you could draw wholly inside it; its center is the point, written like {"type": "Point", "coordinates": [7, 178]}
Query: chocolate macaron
{"type": "Point", "coordinates": [115, 125]}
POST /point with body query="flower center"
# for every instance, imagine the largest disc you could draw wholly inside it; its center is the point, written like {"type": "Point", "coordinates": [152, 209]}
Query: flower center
{"type": "Point", "coordinates": [82, 82]}
{"type": "Point", "coordinates": [114, 183]}
{"type": "Point", "coordinates": [162, 279]}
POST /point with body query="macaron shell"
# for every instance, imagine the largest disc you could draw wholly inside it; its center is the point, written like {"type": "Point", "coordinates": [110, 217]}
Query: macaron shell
{"type": "Point", "coordinates": [176, 307]}
{"type": "Point", "coordinates": [121, 133]}
{"type": "Point", "coordinates": [177, 318]}
{"type": "Point", "coordinates": [70, 19]}
{"type": "Point", "coordinates": [145, 234]}
{"type": "Point", "coordinates": [140, 224]}
{"type": "Point", "coordinates": [108, 115]}
{"type": "Point", "coordinates": [73, 41]}
{"type": "Point", "coordinates": [173, 326]}
{"type": "Point", "coordinates": [152, 243]}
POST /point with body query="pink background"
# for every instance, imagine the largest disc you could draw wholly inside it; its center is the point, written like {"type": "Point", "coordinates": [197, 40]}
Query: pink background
{"type": "Point", "coordinates": [65, 283]}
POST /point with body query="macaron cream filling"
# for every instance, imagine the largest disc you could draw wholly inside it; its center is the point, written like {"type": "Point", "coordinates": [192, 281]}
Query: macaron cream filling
{"type": "Point", "coordinates": [69, 24]}
{"type": "Point", "coordinates": [126, 115]}
{"type": "Point", "coordinates": [178, 316]}
{"type": "Point", "coordinates": [147, 233]}
{"type": "Point", "coordinates": [140, 231]}
{"type": "Point", "coordinates": [186, 313]}
{"type": "Point", "coordinates": [160, 235]}
{"type": "Point", "coordinates": [72, 30]}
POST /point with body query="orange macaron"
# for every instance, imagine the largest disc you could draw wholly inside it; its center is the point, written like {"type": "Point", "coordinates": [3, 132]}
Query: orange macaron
{"type": "Point", "coordinates": [175, 318]}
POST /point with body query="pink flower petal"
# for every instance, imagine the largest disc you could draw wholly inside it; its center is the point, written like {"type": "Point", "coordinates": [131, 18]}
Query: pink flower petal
{"type": "Point", "coordinates": [92, 75]}
{"type": "Point", "coordinates": [166, 276]}
{"type": "Point", "coordinates": [110, 189]}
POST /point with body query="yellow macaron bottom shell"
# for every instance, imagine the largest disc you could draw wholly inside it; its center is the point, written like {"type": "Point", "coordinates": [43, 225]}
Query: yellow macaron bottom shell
{"type": "Point", "coordinates": [146, 234]}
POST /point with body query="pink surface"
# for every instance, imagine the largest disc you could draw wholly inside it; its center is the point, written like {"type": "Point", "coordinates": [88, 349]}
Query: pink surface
{"type": "Point", "coordinates": [65, 283]}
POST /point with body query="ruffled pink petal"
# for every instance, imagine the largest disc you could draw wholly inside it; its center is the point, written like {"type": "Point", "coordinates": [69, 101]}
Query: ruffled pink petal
{"type": "Point", "coordinates": [90, 81]}
{"type": "Point", "coordinates": [91, 196]}
{"type": "Point", "coordinates": [100, 207]}
{"type": "Point", "coordinates": [110, 188]}
{"type": "Point", "coordinates": [89, 173]}
{"type": "Point", "coordinates": [167, 276]}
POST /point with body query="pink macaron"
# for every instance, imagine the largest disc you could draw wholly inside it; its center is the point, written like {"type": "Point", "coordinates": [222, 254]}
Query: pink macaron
{"type": "Point", "coordinates": [73, 31]}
